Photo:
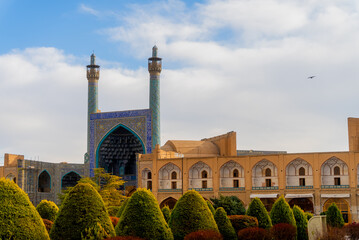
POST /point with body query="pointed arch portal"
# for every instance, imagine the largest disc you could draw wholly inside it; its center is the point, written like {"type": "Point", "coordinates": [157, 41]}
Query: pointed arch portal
{"type": "Point", "coordinates": [117, 151]}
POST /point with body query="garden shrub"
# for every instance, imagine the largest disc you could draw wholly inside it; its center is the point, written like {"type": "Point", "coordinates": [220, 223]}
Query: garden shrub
{"type": "Point", "coordinates": [82, 212]}
{"type": "Point", "coordinates": [114, 221]}
{"type": "Point", "coordinates": [94, 232]}
{"type": "Point", "coordinates": [283, 231]}
{"type": "Point", "coordinates": [240, 222]}
{"type": "Point", "coordinates": [204, 235]}
{"type": "Point", "coordinates": [301, 222]}
{"type": "Point", "coordinates": [190, 214]}
{"type": "Point", "coordinates": [308, 215]}
{"type": "Point", "coordinates": [254, 233]}
{"type": "Point", "coordinates": [142, 217]}
{"type": "Point", "coordinates": [166, 213]}
{"type": "Point", "coordinates": [352, 231]}
{"type": "Point", "coordinates": [122, 207]}
{"type": "Point", "coordinates": [224, 225]}
{"type": "Point", "coordinates": [113, 210]}
{"type": "Point", "coordinates": [282, 213]}
{"type": "Point", "coordinates": [334, 216]}
{"type": "Point", "coordinates": [48, 224]}
{"type": "Point", "coordinates": [256, 209]}
{"type": "Point", "coordinates": [124, 238]}
{"type": "Point", "coordinates": [18, 217]}
{"type": "Point", "coordinates": [231, 204]}
{"type": "Point", "coordinates": [334, 234]}
{"type": "Point", "coordinates": [210, 206]}
{"type": "Point", "coordinates": [47, 210]}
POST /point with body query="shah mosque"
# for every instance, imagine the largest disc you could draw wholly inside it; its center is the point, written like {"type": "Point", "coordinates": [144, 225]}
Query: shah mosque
{"type": "Point", "coordinates": [127, 144]}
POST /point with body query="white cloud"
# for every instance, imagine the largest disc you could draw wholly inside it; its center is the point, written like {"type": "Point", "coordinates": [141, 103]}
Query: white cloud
{"type": "Point", "coordinates": [89, 10]}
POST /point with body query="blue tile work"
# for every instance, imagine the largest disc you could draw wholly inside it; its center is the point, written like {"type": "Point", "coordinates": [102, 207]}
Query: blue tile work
{"type": "Point", "coordinates": [92, 106]}
{"type": "Point", "coordinates": [155, 108]}
{"type": "Point", "coordinates": [139, 121]}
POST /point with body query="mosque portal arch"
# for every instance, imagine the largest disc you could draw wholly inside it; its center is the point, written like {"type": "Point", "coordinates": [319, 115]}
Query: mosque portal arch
{"type": "Point", "coordinates": [116, 153]}
{"type": "Point", "coordinates": [69, 180]}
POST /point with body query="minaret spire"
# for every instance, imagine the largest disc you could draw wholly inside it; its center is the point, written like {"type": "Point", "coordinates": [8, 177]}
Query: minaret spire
{"type": "Point", "coordinates": [154, 68]}
{"type": "Point", "coordinates": [93, 75]}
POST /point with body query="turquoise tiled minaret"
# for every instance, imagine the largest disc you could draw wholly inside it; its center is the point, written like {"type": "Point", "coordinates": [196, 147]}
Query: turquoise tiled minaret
{"type": "Point", "coordinates": [155, 67]}
{"type": "Point", "coordinates": [93, 75]}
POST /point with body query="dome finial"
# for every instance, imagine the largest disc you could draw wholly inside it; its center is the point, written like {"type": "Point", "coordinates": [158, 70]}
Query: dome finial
{"type": "Point", "coordinates": [154, 51]}
{"type": "Point", "coordinates": [93, 58]}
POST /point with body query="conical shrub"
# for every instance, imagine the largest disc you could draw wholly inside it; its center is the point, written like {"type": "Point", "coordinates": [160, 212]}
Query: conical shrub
{"type": "Point", "coordinates": [18, 217]}
{"type": "Point", "coordinates": [334, 216]}
{"type": "Point", "coordinates": [302, 223]}
{"type": "Point", "coordinates": [256, 209]}
{"type": "Point", "coordinates": [47, 210]}
{"type": "Point", "coordinates": [122, 207]}
{"type": "Point", "coordinates": [224, 225]}
{"type": "Point", "coordinates": [142, 217]}
{"type": "Point", "coordinates": [282, 213]}
{"type": "Point", "coordinates": [82, 213]}
{"type": "Point", "coordinates": [210, 206]}
{"type": "Point", "coordinates": [191, 214]}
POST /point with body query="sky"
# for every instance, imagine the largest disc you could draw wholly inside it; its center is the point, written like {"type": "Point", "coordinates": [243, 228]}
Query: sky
{"type": "Point", "coordinates": [228, 65]}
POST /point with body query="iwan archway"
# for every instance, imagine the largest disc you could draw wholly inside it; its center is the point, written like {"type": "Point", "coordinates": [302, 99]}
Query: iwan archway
{"type": "Point", "coordinates": [116, 153]}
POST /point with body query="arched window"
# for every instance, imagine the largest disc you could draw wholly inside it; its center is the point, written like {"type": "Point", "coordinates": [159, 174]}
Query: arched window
{"type": "Point", "coordinates": [235, 173]}
{"type": "Point", "coordinates": [268, 172]}
{"type": "Point", "coordinates": [204, 174]}
{"type": "Point", "coordinates": [336, 170]}
{"type": "Point", "coordinates": [301, 171]}
{"type": "Point", "coordinates": [149, 175]}
{"type": "Point", "coordinates": [44, 184]}
{"type": "Point", "coordinates": [70, 180]}
{"type": "Point", "coordinates": [173, 175]}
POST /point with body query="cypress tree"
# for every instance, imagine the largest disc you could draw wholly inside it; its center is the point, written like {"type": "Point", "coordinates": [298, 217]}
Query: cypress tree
{"type": "Point", "coordinates": [282, 213]}
{"type": "Point", "coordinates": [334, 216]}
{"type": "Point", "coordinates": [190, 214]}
{"type": "Point", "coordinates": [257, 209]}
{"type": "Point", "coordinates": [18, 217]}
{"type": "Point", "coordinates": [224, 225]}
{"type": "Point", "coordinates": [142, 217]}
{"type": "Point", "coordinates": [302, 223]}
{"type": "Point", "coordinates": [82, 214]}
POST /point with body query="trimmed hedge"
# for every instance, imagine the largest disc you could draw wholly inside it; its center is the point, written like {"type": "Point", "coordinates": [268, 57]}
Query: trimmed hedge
{"type": "Point", "coordinates": [240, 222]}
{"type": "Point", "coordinates": [254, 233]}
{"type": "Point", "coordinates": [82, 214]}
{"type": "Point", "coordinates": [256, 209]}
{"type": "Point", "coordinates": [352, 230]}
{"type": "Point", "coordinates": [113, 210]}
{"type": "Point", "coordinates": [308, 215]}
{"type": "Point", "coordinates": [302, 223]}
{"type": "Point", "coordinates": [224, 225]}
{"type": "Point", "coordinates": [47, 210]}
{"type": "Point", "coordinates": [283, 231]}
{"type": "Point", "coordinates": [125, 238]}
{"type": "Point", "coordinates": [143, 218]}
{"type": "Point", "coordinates": [190, 214]}
{"type": "Point", "coordinates": [204, 235]}
{"type": "Point", "coordinates": [231, 204]}
{"type": "Point", "coordinates": [166, 213]}
{"type": "Point", "coordinates": [282, 213]}
{"type": "Point", "coordinates": [18, 217]}
{"type": "Point", "coordinates": [334, 216]}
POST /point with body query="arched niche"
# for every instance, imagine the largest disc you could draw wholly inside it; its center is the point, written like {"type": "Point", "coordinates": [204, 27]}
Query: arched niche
{"type": "Point", "coordinates": [299, 174]}
{"type": "Point", "coordinates": [264, 175]}
{"type": "Point", "coordinates": [335, 173]}
{"type": "Point", "coordinates": [170, 202]}
{"type": "Point", "coordinates": [197, 178]}
{"type": "Point", "coordinates": [170, 178]}
{"type": "Point", "coordinates": [147, 178]}
{"type": "Point", "coordinates": [70, 179]}
{"type": "Point", "coordinates": [231, 176]}
{"type": "Point", "coordinates": [44, 182]}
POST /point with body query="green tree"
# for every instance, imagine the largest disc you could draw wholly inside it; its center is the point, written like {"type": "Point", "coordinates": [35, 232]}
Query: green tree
{"type": "Point", "coordinates": [256, 209]}
{"type": "Point", "coordinates": [302, 223]}
{"type": "Point", "coordinates": [282, 213]}
{"type": "Point", "coordinates": [18, 217]}
{"type": "Point", "coordinates": [190, 214]}
{"type": "Point", "coordinates": [210, 206]}
{"type": "Point", "coordinates": [122, 207]}
{"type": "Point", "coordinates": [142, 217]}
{"type": "Point", "coordinates": [47, 210]}
{"type": "Point", "coordinates": [224, 225]}
{"type": "Point", "coordinates": [166, 213]}
{"type": "Point", "coordinates": [82, 212]}
{"type": "Point", "coordinates": [231, 204]}
{"type": "Point", "coordinates": [106, 184]}
{"type": "Point", "coordinates": [334, 216]}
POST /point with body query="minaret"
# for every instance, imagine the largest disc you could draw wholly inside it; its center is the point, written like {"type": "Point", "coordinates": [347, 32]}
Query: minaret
{"type": "Point", "coordinates": [93, 75]}
{"type": "Point", "coordinates": [155, 67]}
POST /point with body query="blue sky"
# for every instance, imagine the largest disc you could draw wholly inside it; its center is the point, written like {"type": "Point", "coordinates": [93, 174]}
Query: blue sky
{"type": "Point", "coordinates": [227, 65]}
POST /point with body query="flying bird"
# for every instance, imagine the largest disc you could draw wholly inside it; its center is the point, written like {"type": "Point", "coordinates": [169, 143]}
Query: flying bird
{"type": "Point", "coordinates": [311, 77]}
